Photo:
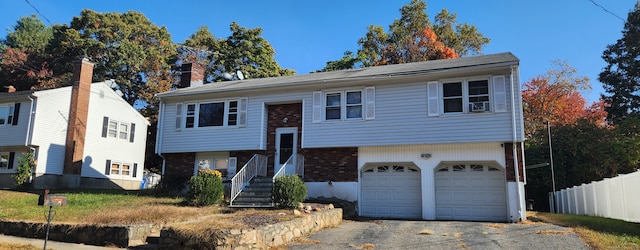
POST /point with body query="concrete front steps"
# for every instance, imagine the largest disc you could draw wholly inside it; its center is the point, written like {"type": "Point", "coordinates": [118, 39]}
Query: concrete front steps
{"type": "Point", "coordinates": [257, 194]}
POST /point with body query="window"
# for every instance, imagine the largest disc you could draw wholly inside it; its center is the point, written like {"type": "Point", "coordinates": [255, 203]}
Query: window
{"type": "Point", "coordinates": [225, 165]}
{"type": "Point", "coordinates": [214, 114]}
{"type": "Point", "coordinates": [6, 114]}
{"type": "Point", "coordinates": [118, 168]}
{"type": "Point", "coordinates": [211, 114]}
{"type": "Point", "coordinates": [204, 164]}
{"type": "Point", "coordinates": [113, 129]}
{"type": "Point", "coordinates": [460, 96]}
{"type": "Point", "coordinates": [479, 95]}
{"type": "Point", "coordinates": [344, 105]}
{"type": "Point", "coordinates": [120, 130]}
{"type": "Point", "coordinates": [115, 168]}
{"type": "Point", "coordinates": [191, 115]}
{"type": "Point", "coordinates": [233, 113]}
{"type": "Point", "coordinates": [452, 97]}
{"type": "Point", "coordinates": [4, 160]}
{"type": "Point", "coordinates": [352, 108]}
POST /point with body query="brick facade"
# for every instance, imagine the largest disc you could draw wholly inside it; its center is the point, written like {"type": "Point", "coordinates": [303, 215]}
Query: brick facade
{"type": "Point", "coordinates": [508, 151]}
{"type": "Point", "coordinates": [179, 165]}
{"type": "Point", "coordinates": [331, 164]}
{"type": "Point", "coordinates": [321, 165]}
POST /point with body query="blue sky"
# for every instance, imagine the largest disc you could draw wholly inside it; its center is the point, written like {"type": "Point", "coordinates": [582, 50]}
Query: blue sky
{"type": "Point", "coordinates": [307, 34]}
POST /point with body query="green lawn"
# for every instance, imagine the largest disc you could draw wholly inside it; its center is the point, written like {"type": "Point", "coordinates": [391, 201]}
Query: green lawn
{"type": "Point", "coordinates": [99, 207]}
{"type": "Point", "coordinates": [598, 232]}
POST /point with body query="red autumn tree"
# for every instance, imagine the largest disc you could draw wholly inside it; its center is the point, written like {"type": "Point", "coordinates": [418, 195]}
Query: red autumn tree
{"type": "Point", "coordinates": [555, 98]}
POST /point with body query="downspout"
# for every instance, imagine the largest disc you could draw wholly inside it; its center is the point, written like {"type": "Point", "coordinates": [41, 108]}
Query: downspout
{"type": "Point", "coordinates": [514, 147]}
{"type": "Point", "coordinates": [159, 128]}
{"type": "Point", "coordinates": [27, 140]}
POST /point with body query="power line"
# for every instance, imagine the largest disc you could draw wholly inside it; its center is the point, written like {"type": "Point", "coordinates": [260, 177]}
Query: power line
{"type": "Point", "coordinates": [36, 9]}
{"type": "Point", "coordinates": [606, 10]}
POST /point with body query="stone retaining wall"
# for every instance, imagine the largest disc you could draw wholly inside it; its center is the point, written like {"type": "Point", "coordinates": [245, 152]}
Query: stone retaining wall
{"type": "Point", "coordinates": [108, 235]}
{"type": "Point", "coordinates": [261, 238]}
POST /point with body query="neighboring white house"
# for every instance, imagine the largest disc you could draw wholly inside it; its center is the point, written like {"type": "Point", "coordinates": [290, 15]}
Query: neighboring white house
{"type": "Point", "coordinates": [435, 140]}
{"type": "Point", "coordinates": [82, 136]}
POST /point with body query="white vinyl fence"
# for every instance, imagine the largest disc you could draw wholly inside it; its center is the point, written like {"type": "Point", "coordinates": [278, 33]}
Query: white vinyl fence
{"type": "Point", "coordinates": [617, 198]}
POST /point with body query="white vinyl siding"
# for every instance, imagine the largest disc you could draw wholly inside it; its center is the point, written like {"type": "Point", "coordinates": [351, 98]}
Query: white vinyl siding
{"type": "Point", "coordinates": [14, 134]}
{"type": "Point", "coordinates": [128, 153]}
{"type": "Point", "coordinates": [401, 117]}
{"type": "Point", "coordinates": [50, 128]}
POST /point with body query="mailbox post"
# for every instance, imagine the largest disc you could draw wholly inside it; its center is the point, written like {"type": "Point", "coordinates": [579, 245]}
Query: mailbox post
{"type": "Point", "coordinates": [52, 201]}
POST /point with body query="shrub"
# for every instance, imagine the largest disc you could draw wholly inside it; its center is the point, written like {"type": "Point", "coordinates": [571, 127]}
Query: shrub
{"type": "Point", "coordinates": [171, 186]}
{"type": "Point", "coordinates": [289, 191]}
{"type": "Point", "coordinates": [205, 189]}
{"type": "Point", "coordinates": [26, 163]}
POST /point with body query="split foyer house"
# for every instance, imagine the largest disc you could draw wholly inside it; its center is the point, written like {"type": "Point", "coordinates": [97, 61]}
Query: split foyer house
{"type": "Point", "coordinates": [435, 140]}
{"type": "Point", "coordinates": [82, 136]}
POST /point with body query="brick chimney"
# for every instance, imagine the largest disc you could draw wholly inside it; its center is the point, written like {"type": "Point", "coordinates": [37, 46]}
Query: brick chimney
{"type": "Point", "coordinates": [78, 112]}
{"type": "Point", "coordinates": [192, 75]}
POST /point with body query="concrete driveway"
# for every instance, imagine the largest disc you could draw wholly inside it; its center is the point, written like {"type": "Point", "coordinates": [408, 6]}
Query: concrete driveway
{"type": "Point", "coordinates": [398, 234]}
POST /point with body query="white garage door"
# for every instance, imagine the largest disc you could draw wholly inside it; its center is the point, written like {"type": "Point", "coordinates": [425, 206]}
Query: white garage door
{"type": "Point", "coordinates": [391, 191]}
{"type": "Point", "coordinates": [473, 192]}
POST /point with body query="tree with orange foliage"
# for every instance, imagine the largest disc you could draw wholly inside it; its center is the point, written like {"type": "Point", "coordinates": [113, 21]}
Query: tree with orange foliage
{"type": "Point", "coordinates": [555, 98]}
{"type": "Point", "coordinates": [413, 38]}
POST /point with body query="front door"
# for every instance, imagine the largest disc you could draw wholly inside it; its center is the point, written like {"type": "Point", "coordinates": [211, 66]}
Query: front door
{"type": "Point", "coordinates": [286, 141]}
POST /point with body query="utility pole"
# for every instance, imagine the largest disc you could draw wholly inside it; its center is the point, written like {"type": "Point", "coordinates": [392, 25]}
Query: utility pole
{"type": "Point", "coordinates": [553, 176]}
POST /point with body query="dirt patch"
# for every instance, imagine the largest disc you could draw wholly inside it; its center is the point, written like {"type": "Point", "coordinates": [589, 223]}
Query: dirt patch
{"type": "Point", "coordinates": [551, 232]}
{"type": "Point", "coordinates": [495, 225]}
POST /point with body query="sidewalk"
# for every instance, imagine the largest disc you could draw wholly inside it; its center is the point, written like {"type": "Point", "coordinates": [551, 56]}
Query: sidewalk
{"type": "Point", "coordinates": [55, 245]}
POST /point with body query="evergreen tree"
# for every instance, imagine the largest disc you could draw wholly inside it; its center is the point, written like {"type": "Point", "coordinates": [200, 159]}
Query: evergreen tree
{"type": "Point", "coordinates": [621, 76]}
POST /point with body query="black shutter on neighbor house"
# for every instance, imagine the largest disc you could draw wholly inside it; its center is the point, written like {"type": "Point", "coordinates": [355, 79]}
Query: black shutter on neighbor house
{"type": "Point", "coordinates": [16, 112]}
{"type": "Point", "coordinates": [135, 170]}
{"type": "Point", "coordinates": [11, 156]}
{"type": "Point", "coordinates": [107, 169]}
{"type": "Point", "coordinates": [133, 132]}
{"type": "Point", "coordinates": [105, 126]}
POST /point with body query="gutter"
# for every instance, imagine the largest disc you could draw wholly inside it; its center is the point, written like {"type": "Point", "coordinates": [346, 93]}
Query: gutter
{"type": "Point", "coordinates": [27, 140]}
{"type": "Point", "coordinates": [159, 128]}
{"type": "Point", "coordinates": [514, 147]}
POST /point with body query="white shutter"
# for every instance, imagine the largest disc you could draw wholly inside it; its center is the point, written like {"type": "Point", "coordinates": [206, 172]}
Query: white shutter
{"type": "Point", "coordinates": [231, 168]}
{"type": "Point", "coordinates": [317, 106]}
{"type": "Point", "coordinates": [433, 98]}
{"type": "Point", "coordinates": [242, 111]}
{"type": "Point", "coordinates": [370, 108]}
{"type": "Point", "coordinates": [178, 116]}
{"type": "Point", "coordinates": [499, 94]}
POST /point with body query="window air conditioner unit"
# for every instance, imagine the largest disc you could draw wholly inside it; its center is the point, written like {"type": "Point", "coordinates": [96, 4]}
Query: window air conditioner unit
{"type": "Point", "coordinates": [478, 106]}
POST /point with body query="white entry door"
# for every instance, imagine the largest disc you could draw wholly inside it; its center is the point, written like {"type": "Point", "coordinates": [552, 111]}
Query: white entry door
{"type": "Point", "coordinates": [286, 146]}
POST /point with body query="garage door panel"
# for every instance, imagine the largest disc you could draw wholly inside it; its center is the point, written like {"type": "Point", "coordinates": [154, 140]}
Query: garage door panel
{"type": "Point", "coordinates": [395, 193]}
{"type": "Point", "coordinates": [470, 194]}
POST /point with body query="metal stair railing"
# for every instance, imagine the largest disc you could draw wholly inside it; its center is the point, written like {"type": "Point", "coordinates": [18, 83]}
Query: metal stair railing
{"type": "Point", "coordinates": [293, 165]}
{"type": "Point", "coordinates": [257, 165]}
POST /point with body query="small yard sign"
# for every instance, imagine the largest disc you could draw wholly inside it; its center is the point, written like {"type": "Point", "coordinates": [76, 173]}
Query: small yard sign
{"type": "Point", "coordinates": [55, 200]}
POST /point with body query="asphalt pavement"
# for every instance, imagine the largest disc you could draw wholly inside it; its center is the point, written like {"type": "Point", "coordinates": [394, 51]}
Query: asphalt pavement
{"type": "Point", "coordinates": [404, 234]}
{"type": "Point", "coordinates": [399, 234]}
